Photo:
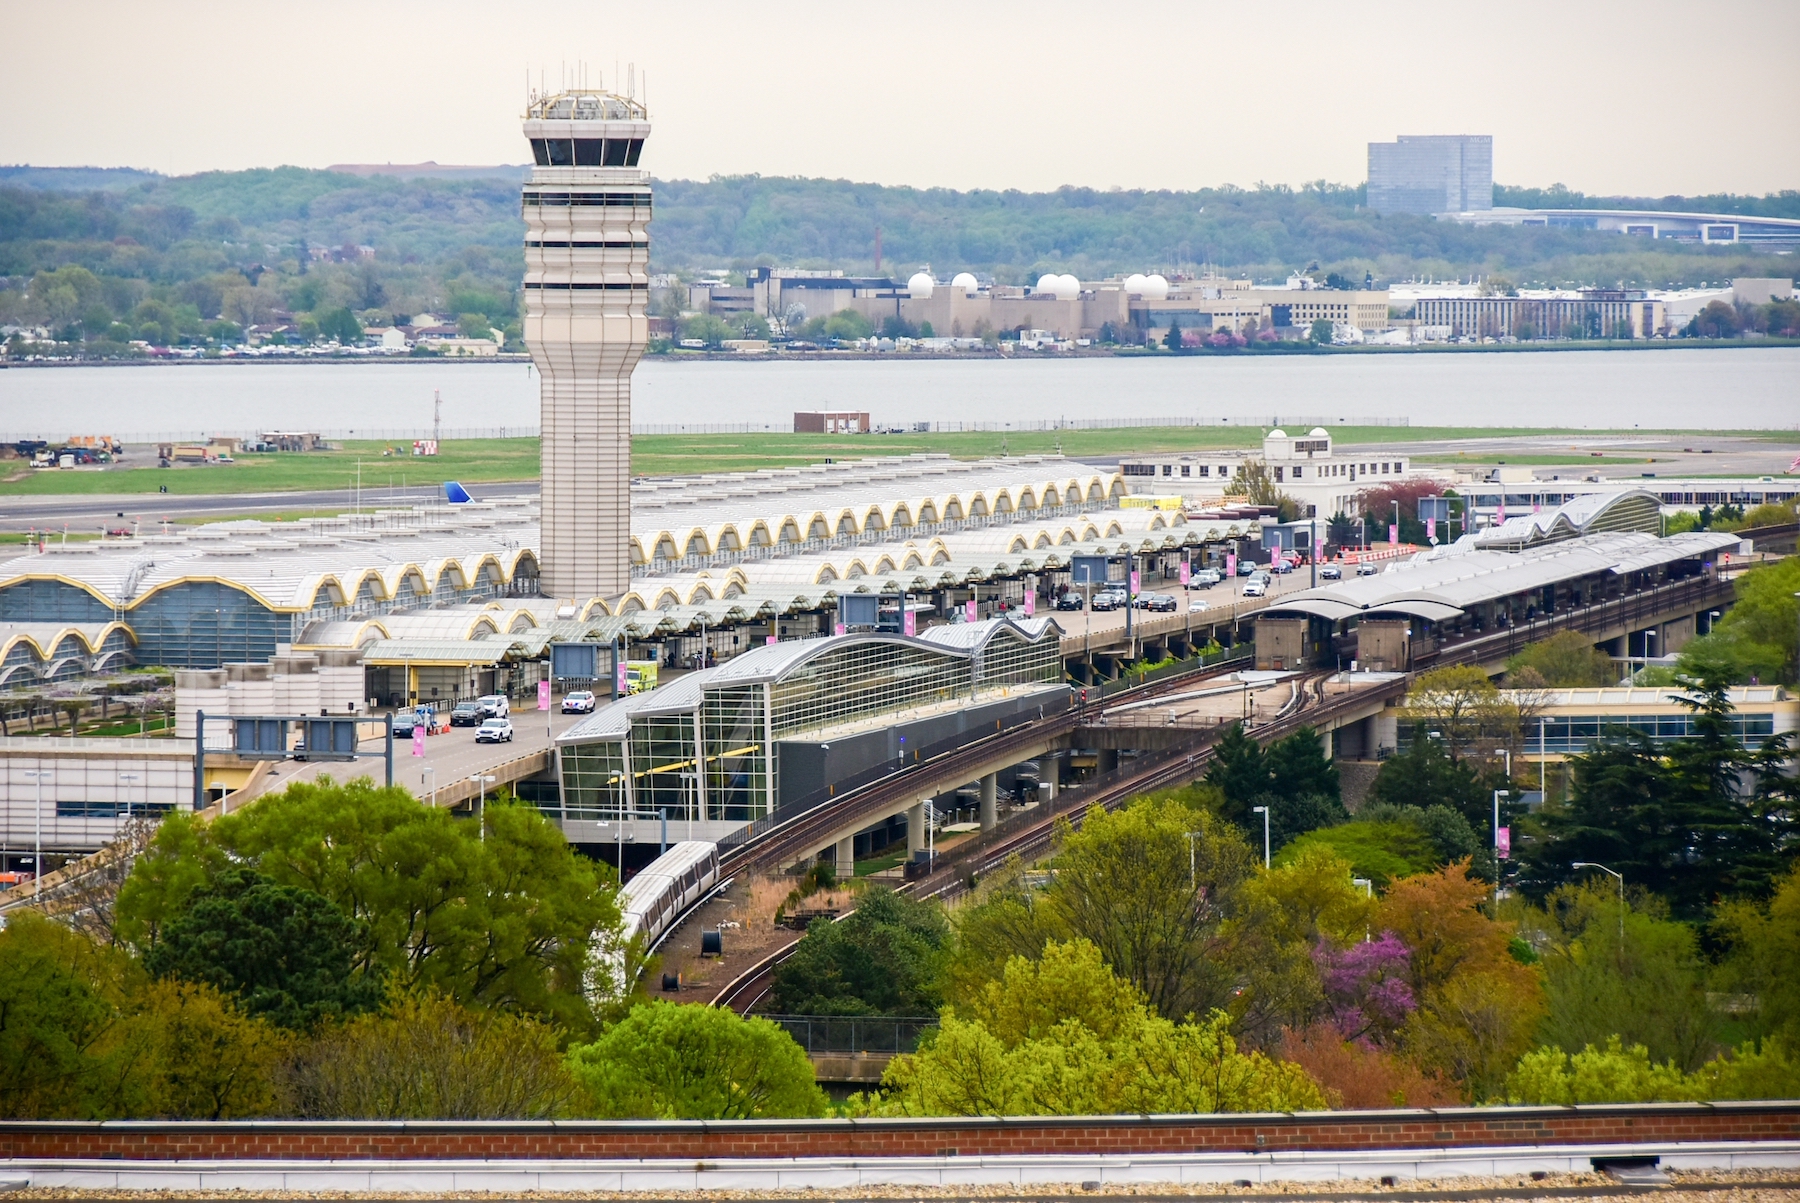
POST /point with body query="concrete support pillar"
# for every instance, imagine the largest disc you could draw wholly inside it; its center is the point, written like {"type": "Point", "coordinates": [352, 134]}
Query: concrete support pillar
{"type": "Point", "coordinates": [1053, 777]}
{"type": "Point", "coordinates": [990, 801]}
{"type": "Point", "coordinates": [915, 829]}
{"type": "Point", "coordinates": [1109, 760]}
{"type": "Point", "coordinates": [1325, 745]}
{"type": "Point", "coordinates": [846, 858]}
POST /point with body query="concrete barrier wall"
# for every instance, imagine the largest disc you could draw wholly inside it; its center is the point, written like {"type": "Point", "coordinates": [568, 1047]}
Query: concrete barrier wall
{"type": "Point", "coordinates": [1462, 1128]}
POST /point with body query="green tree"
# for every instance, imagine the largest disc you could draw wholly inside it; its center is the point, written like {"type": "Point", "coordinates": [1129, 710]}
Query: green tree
{"type": "Point", "coordinates": [512, 920]}
{"type": "Point", "coordinates": [1650, 990]}
{"type": "Point", "coordinates": [341, 324]}
{"type": "Point", "coordinates": [708, 329]}
{"type": "Point", "coordinates": [847, 324]}
{"type": "Point", "coordinates": [1762, 947]}
{"type": "Point", "coordinates": [1457, 705]}
{"type": "Point", "coordinates": [423, 1056]}
{"type": "Point", "coordinates": [1566, 660]}
{"type": "Point", "coordinates": [1240, 772]}
{"type": "Point", "coordinates": [58, 1007]}
{"type": "Point", "coordinates": [884, 959]}
{"type": "Point", "coordinates": [669, 1061]}
{"type": "Point", "coordinates": [1172, 339]}
{"type": "Point", "coordinates": [1759, 636]}
{"type": "Point", "coordinates": [1611, 1073]}
{"type": "Point", "coordinates": [1062, 1035]}
{"type": "Point", "coordinates": [1672, 818]}
{"type": "Point", "coordinates": [1424, 775]}
{"type": "Point", "coordinates": [1321, 332]}
{"type": "Point", "coordinates": [1299, 768]}
{"type": "Point", "coordinates": [285, 953]}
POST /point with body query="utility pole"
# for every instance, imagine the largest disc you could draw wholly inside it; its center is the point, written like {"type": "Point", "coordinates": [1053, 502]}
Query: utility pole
{"type": "Point", "coordinates": [1264, 812]}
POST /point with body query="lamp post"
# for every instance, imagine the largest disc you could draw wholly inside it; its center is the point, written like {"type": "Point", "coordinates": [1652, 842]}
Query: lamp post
{"type": "Point", "coordinates": [1498, 794]}
{"type": "Point", "coordinates": [1193, 865]}
{"type": "Point", "coordinates": [37, 860]}
{"type": "Point", "coordinates": [431, 772]}
{"type": "Point", "coordinates": [1264, 812]}
{"type": "Point", "coordinates": [1369, 893]}
{"type": "Point", "coordinates": [1588, 864]}
{"type": "Point", "coordinates": [128, 778]}
{"type": "Point", "coordinates": [481, 783]}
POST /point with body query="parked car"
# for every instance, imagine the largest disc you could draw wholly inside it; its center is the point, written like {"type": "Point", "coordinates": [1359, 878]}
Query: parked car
{"type": "Point", "coordinates": [466, 714]}
{"type": "Point", "coordinates": [1246, 567]}
{"type": "Point", "coordinates": [493, 705]}
{"type": "Point", "coordinates": [581, 701]}
{"type": "Point", "coordinates": [1108, 600]}
{"type": "Point", "coordinates": [1330, 572]}
{"type": "Point", "coordinates": [1069, 601]}
{"type": "Point", "coordinates": [404, 723]}
{"type": "Point", "coordinates": [1160, 603]}
{"type": "Point", "coordinates": [1367, 569]}
{"type": "Point", "coordinates": [1256, 587]}
{"type": "Point", "coordinates": [494, 730]}
{"type": "Point", "coordinates": [1205, 578]}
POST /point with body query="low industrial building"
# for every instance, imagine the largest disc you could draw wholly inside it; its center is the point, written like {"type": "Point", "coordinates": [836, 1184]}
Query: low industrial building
{"type": "Point", "coordinates": [1617, 313]}
{"type": "Point", "coordinates": [1306, 467]}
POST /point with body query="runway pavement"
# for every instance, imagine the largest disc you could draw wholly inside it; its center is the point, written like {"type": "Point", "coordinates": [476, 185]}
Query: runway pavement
{"type": "Point", "coordinates": [90, 513]}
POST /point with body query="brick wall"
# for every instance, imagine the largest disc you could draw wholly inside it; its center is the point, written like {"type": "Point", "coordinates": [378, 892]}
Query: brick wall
{"type": "Point", "coordinates": [699, 1140]}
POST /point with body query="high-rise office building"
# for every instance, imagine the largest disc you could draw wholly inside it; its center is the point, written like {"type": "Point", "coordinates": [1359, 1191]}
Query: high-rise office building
{"type": "Point", "coordinates": [1448, 173]}
{"type": "Point", "coordinates": [587, 259]}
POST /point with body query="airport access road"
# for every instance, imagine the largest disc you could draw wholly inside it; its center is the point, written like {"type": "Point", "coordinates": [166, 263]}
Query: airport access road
{"type": "Point", "coordinates": [91, 513]}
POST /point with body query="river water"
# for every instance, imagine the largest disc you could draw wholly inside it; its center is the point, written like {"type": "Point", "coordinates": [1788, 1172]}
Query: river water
{"type": "Point", "coordinates": [1679, 388]}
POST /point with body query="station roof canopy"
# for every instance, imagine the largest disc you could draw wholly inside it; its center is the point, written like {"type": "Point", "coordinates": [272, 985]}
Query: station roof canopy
{"type": "Point", "coordinates": [1445, 583]}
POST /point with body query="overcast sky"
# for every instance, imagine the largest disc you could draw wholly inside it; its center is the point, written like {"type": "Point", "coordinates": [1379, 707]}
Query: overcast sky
{"type": "Point", "coordinates": [1641, 97]}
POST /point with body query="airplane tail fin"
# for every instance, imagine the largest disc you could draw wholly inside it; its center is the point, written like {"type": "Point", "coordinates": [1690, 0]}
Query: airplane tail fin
{"type": "Point", "coordinates": [455, 494]}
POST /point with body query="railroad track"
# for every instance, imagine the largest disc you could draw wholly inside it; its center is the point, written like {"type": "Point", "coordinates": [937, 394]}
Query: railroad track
{"type": "Point", "coordinates": [1306, 704]}
{"type": "Point", "coordinates": [784, 844]}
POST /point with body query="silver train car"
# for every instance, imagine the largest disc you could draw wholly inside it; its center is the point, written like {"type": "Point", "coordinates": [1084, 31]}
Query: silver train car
{"type": "Point", "coordinates": [665, 887]}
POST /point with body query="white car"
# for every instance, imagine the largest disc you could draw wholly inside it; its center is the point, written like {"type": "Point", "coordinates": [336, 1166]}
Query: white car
{"type": "Point", "coordinates": [1330, 572]}
{"type": "Point", "coordinates": [1368, 570]}
{"type": "Point", "coordinates": [1195, 607]}
{"type": "Point", "coordinates": [579, 702]}
{"type": "Point", "coordinates": [494, 731]}
{"type": "Point", "coordinates": [494, 705]}
{"type": "Point", "coordinates": [1255, 587]}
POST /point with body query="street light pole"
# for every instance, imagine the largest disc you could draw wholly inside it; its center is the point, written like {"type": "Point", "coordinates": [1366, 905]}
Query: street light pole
{"type": "Point", "coordinates": [430, 771]}
{"type": "Point", "coordinates": [128, 778]}
{"type": "Point", "coordinates": [1369, 893]}
{"type": "Point", "coordinates": [1497, 796]}
{"type": "Point", "coordinates": [1192, 863]}
{"type": "Point", "coordinates": [481, 782]}
{"type": "Point", "coordinates": [1264, 812]}
{"type": "Point", "coordinates": [1588, 864]}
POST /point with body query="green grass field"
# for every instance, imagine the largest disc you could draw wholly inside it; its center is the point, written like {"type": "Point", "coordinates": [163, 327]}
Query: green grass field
{"type": "Point", "coordinates": [490, 461]}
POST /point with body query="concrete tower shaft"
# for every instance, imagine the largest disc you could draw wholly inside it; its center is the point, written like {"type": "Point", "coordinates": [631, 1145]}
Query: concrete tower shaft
{"type": "Point", "coordinates": [587, 261]}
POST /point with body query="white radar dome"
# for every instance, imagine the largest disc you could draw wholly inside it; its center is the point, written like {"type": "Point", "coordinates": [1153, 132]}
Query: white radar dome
{"type": "Point", "coordinates": [1317, 432]}
{"type": "Point", "coordinates": [1278, 433]}
{"type": "Point", "coordinates": [1067, 288]}
{"type": "Point", "coordinates": [966, 282]}
{"type": "Point", "coordinates": [1047, 284]}
{"type": "Point", "coordinates": [1135, 284]}
{"type": "Point", "coordinates": [1156, 288]}
{"type": "Point", "coordinates": [920, 286]}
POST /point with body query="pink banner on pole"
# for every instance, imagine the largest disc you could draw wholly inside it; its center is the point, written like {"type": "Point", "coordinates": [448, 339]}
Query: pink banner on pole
{"type": "Point", "coordinates": [418, 739]}
{"type": "Point", "coordinates": [543, 695]}
{"type": "Point", "coordinates": [1231, 563]}
{"type": "Point", "coordinates": [1503, 843]}
{"type": "Point", "coordinates": [1394, 533]}
{"type": "Point", "coordinates": [911, 623]}
{"type": "Point", "coordinates": [969, 610]}
{"type": "Point", "coordinates": [1135, 584]}
{"type": "Point", "coordinates": [1030, 604]}
{"type": "Point", "coordinates": [624, 682]}
{"type": "Point", "coordinates": [773, 639]}
{"type": "Point", "coordinates": [839, 628]}
{"type": "Point", "coordinates": [1187, 572]}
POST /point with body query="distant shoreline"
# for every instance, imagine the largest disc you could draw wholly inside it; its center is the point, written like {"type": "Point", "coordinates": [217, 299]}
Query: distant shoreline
{"type": "Point", "coordinates": [944, 356]}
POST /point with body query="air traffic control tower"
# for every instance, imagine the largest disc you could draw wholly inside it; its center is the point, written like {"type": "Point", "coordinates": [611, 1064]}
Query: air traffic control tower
{"type": "Point", "coordinates": [587, 258]}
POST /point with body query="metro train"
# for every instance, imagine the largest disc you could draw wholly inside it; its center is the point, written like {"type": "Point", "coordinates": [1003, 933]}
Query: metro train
{"type": "Point", "coordinates": [666, 887]}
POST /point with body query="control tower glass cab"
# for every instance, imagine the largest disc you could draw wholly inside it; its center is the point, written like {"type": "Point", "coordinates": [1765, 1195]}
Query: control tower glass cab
{"type": "Point", "coordinates": [587, 260]}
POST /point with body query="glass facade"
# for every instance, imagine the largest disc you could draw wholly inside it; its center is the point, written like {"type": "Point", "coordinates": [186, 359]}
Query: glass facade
{"type": "Point", "coordinates": [717, 761]}
{"type": "Point", "coordinates": [1576, 734]}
